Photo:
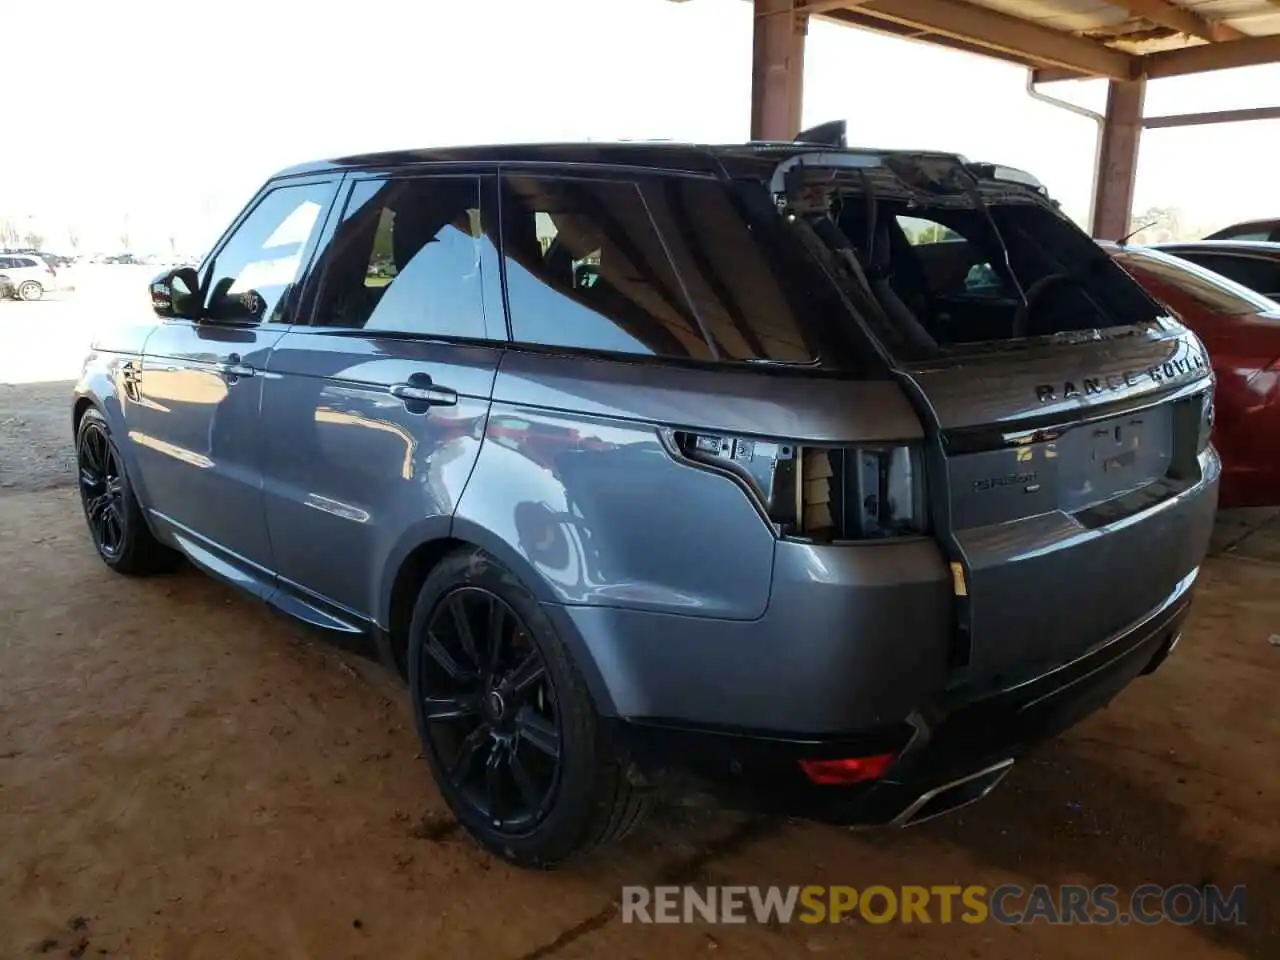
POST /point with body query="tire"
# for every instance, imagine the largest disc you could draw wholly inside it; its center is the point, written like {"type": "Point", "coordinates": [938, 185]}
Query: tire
{"type": "Point", "coordinates": [30, 290]}
{"type": "Point", "coordinates": [116, 525]}
{"type": "Point", "coordinates": [589, 800]}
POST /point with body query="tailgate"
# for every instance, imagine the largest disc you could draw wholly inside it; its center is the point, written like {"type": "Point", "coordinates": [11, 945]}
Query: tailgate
{"type": "Point", "coordinates": [1068, 481]}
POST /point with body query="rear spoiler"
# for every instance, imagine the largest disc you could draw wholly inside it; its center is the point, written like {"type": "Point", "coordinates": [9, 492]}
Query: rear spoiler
{"type": "Point", "coordinates": [787, 187]}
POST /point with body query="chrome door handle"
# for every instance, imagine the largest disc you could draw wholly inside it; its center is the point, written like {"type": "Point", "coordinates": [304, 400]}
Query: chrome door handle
{"type": "Point", "coordinates": [424, 394]}
{"type": "Point", "coordinates": [233, 369]}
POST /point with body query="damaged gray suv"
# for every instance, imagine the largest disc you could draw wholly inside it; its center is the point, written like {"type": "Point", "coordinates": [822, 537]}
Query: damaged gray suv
{"type": "Point", "coordinates": [827, 480]}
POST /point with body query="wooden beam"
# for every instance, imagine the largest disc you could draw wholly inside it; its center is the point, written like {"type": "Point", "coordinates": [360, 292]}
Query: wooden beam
{"type": "Point", "coordinates": [1054, 74]}
{"type": "Point", "coordinates": [852, 18]}
{"type": "Point", "coordinates": [1118, 159]}
{"type": "Point", "coordinates": [777, 69]}
{"type": "Point", "coordinates": [1010, 35]}
{"type": "Point", "coordinates": [1217, 56]}
{"type": "Point", "coordinates": [1168, 14]}
{"type": "Point", "coordinates": [1212, 116]}
{"type": "Point", "coordinates": [825, 6]}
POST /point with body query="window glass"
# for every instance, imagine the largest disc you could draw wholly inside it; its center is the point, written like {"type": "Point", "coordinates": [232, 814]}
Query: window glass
{"type": "Point", "coordinates": [1215, 293]}
{"type": "Point", "coordinates": [259, 264]}
{"type": "Point", "coordinates": [26, 262]}
{"type": "Point", "coordinates": [1259, 234]}
{"type": "Point", "coordinates": [1254, 272]}
{"type": "Point", "coordinates": [919, 231]}
{"type": "Point", "coordinates": [750, 279]}
{"type": "Point", "coordinates": [410, 256]}
{"type": "Point", "coordinates": [586, 269]}
{"type": "Point", "coordinates": [952, 265]}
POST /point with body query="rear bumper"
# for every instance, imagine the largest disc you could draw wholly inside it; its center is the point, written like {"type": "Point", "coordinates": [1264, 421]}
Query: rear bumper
{"type": "Point", "coordinates": [859, 637]}
{"type": "Point", "coordinates": [950, 752]}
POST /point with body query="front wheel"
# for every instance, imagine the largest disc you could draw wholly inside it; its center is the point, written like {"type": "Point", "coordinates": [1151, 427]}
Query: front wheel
{"type": "Point", "coordinates": [116, 524]}
{"type": "Point", "coordinates": [506, 721]}
{"type": "Point", "coordinates": [30, 290]}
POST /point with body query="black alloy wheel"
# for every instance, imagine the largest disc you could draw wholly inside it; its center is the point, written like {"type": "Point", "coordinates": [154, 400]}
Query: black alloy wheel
{"type": "Point", "coordinates": [102, 490]}
{"type": "Point", "coordinates": [490, 710]}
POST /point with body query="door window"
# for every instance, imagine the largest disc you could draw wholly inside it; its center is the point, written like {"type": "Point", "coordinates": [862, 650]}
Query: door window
{"type": "Point", "coordinates": [586, 269]}
{"type": "Point", "coordinates": [1211, 291]}
{"type": "Point", "coordinates": [952, 264]}
{"type": "Point", "coordinates": [919, 231]}
{"type": "Point", "coordinates": [1255, 273]}
{"type": "Point", "coordinates": [256, 269]}
{"type": "Point", "coordinates": [1261, 233]}
{"type": "Point", "coordinates": [412, 255]}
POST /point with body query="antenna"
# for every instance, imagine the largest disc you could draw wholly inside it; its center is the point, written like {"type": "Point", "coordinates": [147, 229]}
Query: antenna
{"type": "Point", "coordinates": [1129, 236]}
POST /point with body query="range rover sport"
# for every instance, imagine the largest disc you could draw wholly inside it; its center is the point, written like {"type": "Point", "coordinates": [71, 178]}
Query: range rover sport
{"type": "Point", "coordinates": [830, 480]}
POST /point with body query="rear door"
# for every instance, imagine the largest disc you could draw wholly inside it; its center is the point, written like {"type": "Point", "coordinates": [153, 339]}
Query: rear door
{"type": "Point", "coordinates": [1058, 474]}
{"type": "Point", "coordinates": [1066, 415]}
{"type": "Point", "coordinates": [376, 409]}
{"type": "Point", "coordinates": [1067, 433]}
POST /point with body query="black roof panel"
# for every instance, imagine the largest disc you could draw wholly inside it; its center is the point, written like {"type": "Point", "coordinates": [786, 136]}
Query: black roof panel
{"type": "Point", "coordinates": [747, 160]}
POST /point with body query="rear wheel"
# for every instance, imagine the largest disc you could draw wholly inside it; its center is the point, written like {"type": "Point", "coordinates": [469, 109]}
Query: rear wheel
{"type": "Point", "coordinates": [30, 290]}
{"type": "Point", "coordinates": [506, 721]}
{"type": "Point", "coordinates": [116, 524]}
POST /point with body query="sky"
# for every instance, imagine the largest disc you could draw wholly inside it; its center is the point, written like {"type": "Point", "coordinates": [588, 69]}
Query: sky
{"type": "Point", "coordinates": [160, 119]}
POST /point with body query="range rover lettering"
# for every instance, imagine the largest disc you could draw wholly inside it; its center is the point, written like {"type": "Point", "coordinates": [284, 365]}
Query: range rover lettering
{"type": "Point", "coordinates": [829, 480]}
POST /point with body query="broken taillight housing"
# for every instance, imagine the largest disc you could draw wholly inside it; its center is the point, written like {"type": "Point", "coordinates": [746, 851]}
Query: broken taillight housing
{"type": "Point", "coordinates": [1206, 422]}
{"type": "Point", "coordinates": [828, 493]}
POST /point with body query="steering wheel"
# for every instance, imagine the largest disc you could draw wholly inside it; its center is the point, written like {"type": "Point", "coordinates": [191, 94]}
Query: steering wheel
{"type": "Point", "coordinates": [1032, 297]}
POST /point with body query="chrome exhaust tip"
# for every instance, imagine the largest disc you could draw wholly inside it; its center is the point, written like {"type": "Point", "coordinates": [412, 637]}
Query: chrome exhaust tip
{"type": "Point", "coordinates": [953, 795]}
{"type": "Point", "coordinates": [1161, 655]}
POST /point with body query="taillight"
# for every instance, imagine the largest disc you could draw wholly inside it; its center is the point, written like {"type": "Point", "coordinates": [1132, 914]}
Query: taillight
{"type": "Point", "coordinates": [868, 491]}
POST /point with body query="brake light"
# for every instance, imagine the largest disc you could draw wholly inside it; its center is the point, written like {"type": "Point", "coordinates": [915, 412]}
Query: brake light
{"type": "Point", "coordinates": [868, 491]}
{"type": "Point", "coordinates": [847, 769]}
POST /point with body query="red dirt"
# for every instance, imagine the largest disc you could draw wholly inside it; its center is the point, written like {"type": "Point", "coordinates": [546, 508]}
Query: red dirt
{"type": "Point", "coordinates": [185, 774]}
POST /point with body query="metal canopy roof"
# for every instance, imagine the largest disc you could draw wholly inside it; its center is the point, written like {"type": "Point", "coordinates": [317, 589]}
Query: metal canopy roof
{"type": "Point", "coordinates": [1063, 39]}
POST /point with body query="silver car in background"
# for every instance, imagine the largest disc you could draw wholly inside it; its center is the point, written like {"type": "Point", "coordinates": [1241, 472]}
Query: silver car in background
{"type": "Point", "coordinates": [29, 275]}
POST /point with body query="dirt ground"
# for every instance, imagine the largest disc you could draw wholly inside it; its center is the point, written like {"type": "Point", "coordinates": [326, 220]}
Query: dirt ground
{"type": "Point", "coordinates": [185, 774]}
{"type": "Point", "coordinates": [35, 436]}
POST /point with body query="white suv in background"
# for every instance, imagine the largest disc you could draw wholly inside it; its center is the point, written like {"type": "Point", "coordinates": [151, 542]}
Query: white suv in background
{"type": "Point", "coordinates": [29, 275]}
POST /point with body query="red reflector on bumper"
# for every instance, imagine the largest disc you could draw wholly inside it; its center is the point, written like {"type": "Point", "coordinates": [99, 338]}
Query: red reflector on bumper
{"type": "Point", "coordinates": [848, 769]}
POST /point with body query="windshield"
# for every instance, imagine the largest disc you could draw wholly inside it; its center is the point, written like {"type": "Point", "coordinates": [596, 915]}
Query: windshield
{"type": "Point", "coordinates": [958, 269]}
{"type": "Point", "coordinates": [1212, 291]}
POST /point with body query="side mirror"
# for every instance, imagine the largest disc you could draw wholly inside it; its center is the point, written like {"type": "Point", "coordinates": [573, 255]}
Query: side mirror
{"type": "Point", "coordinates": [175, 294]}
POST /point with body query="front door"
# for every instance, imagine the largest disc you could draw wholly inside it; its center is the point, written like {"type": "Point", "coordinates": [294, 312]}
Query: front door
{"type": "Point", "coordinates": [380, 402]}
{"type": "Point", "coordinates": [195, 421]}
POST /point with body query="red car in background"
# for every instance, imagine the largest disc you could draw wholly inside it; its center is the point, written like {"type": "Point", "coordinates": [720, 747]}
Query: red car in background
{"type": "Point", "coordinates": [1241, 330]}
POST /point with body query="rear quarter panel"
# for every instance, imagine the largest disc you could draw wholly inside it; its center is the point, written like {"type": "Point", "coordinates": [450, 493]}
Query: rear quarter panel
{"type": "Point", "coordinates": [573, 482]}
